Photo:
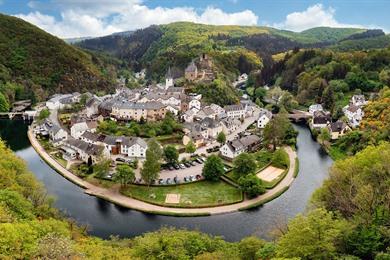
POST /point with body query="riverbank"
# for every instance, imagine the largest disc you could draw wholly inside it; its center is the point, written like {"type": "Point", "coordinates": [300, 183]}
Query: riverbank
{"type": "Point", "coordinates": [115, 197]}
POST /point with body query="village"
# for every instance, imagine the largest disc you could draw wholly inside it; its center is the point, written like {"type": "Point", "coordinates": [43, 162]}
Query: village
{"type": "Point", "coordinates": [95, 135]}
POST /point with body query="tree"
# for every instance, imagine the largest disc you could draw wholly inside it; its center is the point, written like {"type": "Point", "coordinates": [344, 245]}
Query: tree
{"type": "Point", "coordinates": [151, 167]}
{"type": "Point", "coordinates": [213, 168]}
{"type": "Point", "coordinates": [190, 147]}
{"type": "Point", "coordinates": [244, 164]}
{"type": "Point", "coordinates": [124, 174]}
{"type": "Point", "coordinates": [171, 154]}
{"type": "Point", "coordinates": [4, 106]}
{"type": "Point", "coordinates": [251, 185]}
{"type": "Point", "coordinates": [249, 246]}
{"type": "Point", "coordinates": [221, 138]}
{"type": "Point", "coordinates": [314, 236]}
{"type": "Point", "coordinates": [328, 98]}
{"type": "Point", "coordinates": [280, 159]}
{"type": "Point", "coordinates": [324, 136]}
{"type": "Point", "coordinates": [43, 114]}
{"type": "Point", "coordinates": [101, 168]}
{"type": "Point", "coordinates": [276, 129]}
{"type": "Point", "coordinates": [275, 94]}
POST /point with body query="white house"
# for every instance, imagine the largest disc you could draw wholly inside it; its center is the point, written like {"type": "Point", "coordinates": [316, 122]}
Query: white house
{"type": "Point", "coordinates": [235, 111]}
{"type": "Point", "coordinates": [194, 103]}
{"type": "Point", "coordinates": [57, 134]}
{"type": "Point", "coordinates": [79, 128]}
{"type": "Point", "coordinates": [55, 101]}
{"type": "Point", "coordinates": [264, 117]}
{"type": "Point", "coordinates": [354, 114]}
{"type": "Point", "coordinates": [219, 111]}
{"type": "Point", "coordinates": [314, 108]}
{"type": "Point", "coordinates": [188, 116]}
{"type": "Point", "coordinates": [358, 100]}
{"type": "Point", "coordinates": [173, 109]}
{"type": "Point", "coordinates": [92, 106]}
{"type": "Point", "coordinates": [232, 149]}
{"type": "Point", "coordinates": [134, 147]}
{"type": "Point", "coordinates": [229, 125]}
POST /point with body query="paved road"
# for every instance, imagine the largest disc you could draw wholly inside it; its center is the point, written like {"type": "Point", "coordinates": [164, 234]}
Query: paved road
{"type": "Point", "coordinates": [114, 196]}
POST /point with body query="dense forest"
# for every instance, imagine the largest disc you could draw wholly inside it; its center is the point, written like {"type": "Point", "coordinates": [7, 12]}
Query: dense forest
{"type": "Point", "coordinates": [35, 64]}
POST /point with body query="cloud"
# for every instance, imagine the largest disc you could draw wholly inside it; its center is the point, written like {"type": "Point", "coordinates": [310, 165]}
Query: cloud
{"type": "Point", "coordinates": [314, 16]}
{"type": "Point", "coordinates": [80, 18]}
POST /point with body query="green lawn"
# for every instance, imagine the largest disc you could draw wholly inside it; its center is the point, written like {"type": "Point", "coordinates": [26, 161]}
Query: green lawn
{"type": "Point", "coordinates": [197, 194]}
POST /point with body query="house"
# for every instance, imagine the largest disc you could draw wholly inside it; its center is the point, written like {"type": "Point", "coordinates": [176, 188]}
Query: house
{"type": "Point", "coordinates": [229, 125]}
{"type": "Point", "coordinates": [320, 120]}
{"type": "Point", "coordinates": [55, 102]}
{"type": "Point", "coordinates": [354, 114]}
{"type": "Point", "coordinates": [85, 152]}
{"type": "Point", "coordinates": [264, 117]}
{"type": "Point", "coordinates": [338, 129]}
{"type": "Point", "coordinates": [212, 126]}
{"type": "Point", "coordinates": [194, 103]}
{"type": "Point", "coordinates": [241, 80]}
{"type": "Point", "coordinates": [77, 129]}
{"type": "Point", "coordinates": [197, 139]}
{"type": "Point", "coordinates": [189, 115]}
{"type": "Point", "coordinates": [358, 100]}
{"type": "Point", "coordinates": [149, 111]}
{"type": "Point", "coordinates": [232, 149]}
{"type": "Point", "coordinates": [235, 111]}
{"type": "Point", "coordinates": [206, 112]}
{"type": "Point", "coordinates": [219, 111]}
{"type": "Point", "coordinates": [57, 134]}
{"type": "Point", "coordinates": [173, 109]}
{"type": "Point", "coordinates": [314, 108]}
{"type": "Point", "coordinates": [92, 106]}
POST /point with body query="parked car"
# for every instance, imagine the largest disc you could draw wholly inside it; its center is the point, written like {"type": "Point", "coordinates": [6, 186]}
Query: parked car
{"type": "Point", "coordinates": [193, 163]}
{"type": "Point", "coordinates": [176, 166]}
{"type": "Point", "coordinates": [175, 179]}
{"type": "Point", "coordinates": [171, 168]}
{"type": "Point", "coordinates": [198, 177]}
{"type": "Point", "coordinates": [187, 164]}
{"type": "Point", "coordinates": [199, 160]}
{"type": "Point", "coordinates": [169, 181]}
{"type": "Point", "coordinates": [120, 160]}
{"type": "Point", "coordinates": [203, 159]}
{"type": "Point", "coordinates": [153, 182]}
{"type": "Point", "coordinates": [192, 178]}
{"type": "Point", "coordinates": [160, 181]}
{"type": "Point", "coordinates": [186, 179]}
{"type": "Point", "coordinates": [182, 166]}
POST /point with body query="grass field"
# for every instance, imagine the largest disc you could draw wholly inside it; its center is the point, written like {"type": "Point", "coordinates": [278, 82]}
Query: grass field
{"type": "Point", "coordinates": [197, 194]}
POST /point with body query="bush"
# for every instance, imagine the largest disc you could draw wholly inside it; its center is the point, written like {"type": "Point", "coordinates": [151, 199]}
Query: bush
{"type": "Point", "coordinates": [280, 159]}
{"type": "Point", "coordinates": [251, 185]}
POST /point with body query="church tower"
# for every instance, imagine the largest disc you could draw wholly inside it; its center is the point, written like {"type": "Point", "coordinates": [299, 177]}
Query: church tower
{"type": "Point", "coordinates": [168, 79]}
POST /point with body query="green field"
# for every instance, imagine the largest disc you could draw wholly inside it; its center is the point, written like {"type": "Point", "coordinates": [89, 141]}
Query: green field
{"type": "Point", "coordinates": [197, 194]}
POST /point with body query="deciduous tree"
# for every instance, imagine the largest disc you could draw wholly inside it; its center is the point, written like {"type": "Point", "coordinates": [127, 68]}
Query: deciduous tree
{"type": "Point", "coordinates": [213, 168]}
{"type": "Point", "coordinates": [244, 164]}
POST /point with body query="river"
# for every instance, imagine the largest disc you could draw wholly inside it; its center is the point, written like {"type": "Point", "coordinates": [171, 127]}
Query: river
{"type": "Point", "coordinates": [105, 219]}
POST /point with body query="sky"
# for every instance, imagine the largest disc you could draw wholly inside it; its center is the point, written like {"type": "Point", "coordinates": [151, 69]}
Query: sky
{"type": "Point", "coordinates": [91, 18]}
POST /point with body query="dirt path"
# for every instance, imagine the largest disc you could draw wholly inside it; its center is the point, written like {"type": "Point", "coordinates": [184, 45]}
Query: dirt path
{"type": "Point", "coordinates": [115, 197]}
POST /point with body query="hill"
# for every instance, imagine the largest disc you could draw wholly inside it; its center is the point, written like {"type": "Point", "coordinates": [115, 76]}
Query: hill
{"type": "Point", "coordinates": [43, 64]}
{"type": "Point", "coordinates": [176, 44]}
